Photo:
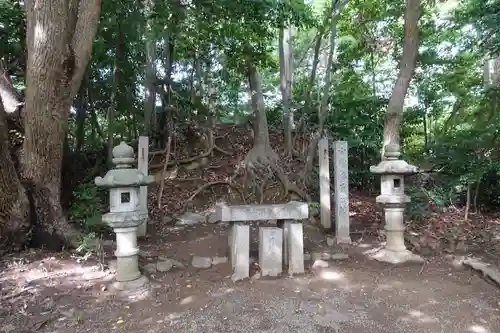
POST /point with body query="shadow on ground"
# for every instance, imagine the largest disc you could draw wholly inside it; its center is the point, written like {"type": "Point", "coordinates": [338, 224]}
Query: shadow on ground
{"type": "Point", "coordinates": [45, 292]}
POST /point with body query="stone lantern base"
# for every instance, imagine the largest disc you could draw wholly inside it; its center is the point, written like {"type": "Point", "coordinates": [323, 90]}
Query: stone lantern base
{"type": "Point", "coordinates": [396, 257]}
{"type": "Point", "coordinates": [395, 251]}
{"type": "Point", "coordinates": [138, 285]}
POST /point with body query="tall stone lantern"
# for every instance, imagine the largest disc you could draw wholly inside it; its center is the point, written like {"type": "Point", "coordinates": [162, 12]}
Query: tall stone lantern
{"type": "Point", "coordinates": [125, 215]}
{"type": "Point", "coordinates": [393, 198]}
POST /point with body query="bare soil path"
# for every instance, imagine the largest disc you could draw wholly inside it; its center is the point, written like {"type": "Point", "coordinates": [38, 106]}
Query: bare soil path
{"type": "Point", "coordinates": [46, 292]}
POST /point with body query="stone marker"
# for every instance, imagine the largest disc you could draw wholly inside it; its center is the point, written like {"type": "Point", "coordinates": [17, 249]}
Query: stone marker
{"type": "Point", "coordinates": [324, 184]}
{"type": "Point", "coordinates": [240, 251]}
{"type": "Point", "coordinates": [201, 262]}
{"type": "Point", "coordinates": [296, 249]}
{"type": "Point", "coordinates": [341, 187]}
{"type": "Point", "coordinates": [125, 215]}
{"type": "Point", "coordinates": [142, 165]}
{"type": "Point", "coordinates": [270, 251]}
{"type": "Point", "coordinates": [393, 199]}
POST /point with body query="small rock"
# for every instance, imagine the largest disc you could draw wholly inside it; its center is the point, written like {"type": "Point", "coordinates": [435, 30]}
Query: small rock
{"type": "Point", "coordinates": [320, 264]}
{"type": "Point", "coordinates": [190, 219]}
{"type": "Point", "coordinates": [307, 256]}
{"type": "Point", "coordinates": [339, 256]}
{"type": "Point", "coordinates": [219, 260]}
{"type": "Point", "coordinates": [256, 276]}
{"type": "Point", "coordinates": [212, 218]}
{"type": "Point", "coordinates": [164, 266]}
{"type": "Point", "coordinates": [147, 321]}
{"type": "Point", "coordinates": [330, 241]}
{"type": "Point", "coordinates": [175, 263]}
{"type": "Point", "coordinates": [167, 219]}
{"type": "Point", "coordinates": [150, 268]}
{"type": "Point", "coordinates": [321, 256]}
{"type": "Point", "coordinates": [144, 254]}
{"type": "Point", "coordinates": [201, 262]}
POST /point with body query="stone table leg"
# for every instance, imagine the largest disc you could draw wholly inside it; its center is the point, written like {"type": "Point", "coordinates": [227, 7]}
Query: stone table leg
{"type": "Point", "coordinates": [240, 251]}
{"type": "Point", "coordinates": [296, 248]}
{"type": "Point", "coordinates": [270, 251]}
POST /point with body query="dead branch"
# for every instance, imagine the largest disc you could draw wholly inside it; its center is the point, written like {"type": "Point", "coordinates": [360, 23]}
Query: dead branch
{"type": "Point", "coordinates": [208, 185]}
{"type": "Point", "coordinates": [165, 165]}
{"type": "Point", "coordinates": [184, 161]}
{"type": "Point", "coordinates": [157, 152]}
{"type": "Point", "coordinates": [220, 150]}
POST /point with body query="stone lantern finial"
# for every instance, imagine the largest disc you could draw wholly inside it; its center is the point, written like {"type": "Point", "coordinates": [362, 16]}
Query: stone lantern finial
{"type": "Point", "coordinates": [123, 155]}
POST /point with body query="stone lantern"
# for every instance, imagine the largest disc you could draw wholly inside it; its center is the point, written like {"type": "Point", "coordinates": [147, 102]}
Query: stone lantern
{"type": "Point", "coordinates": [393, 198]}
{"type": "Point", "coordinates": [125, 215]}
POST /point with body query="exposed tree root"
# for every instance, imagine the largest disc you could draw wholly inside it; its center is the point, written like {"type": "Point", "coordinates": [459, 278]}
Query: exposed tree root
{"type": "Point", "coordinates": [164, 172]}
{"type": "Point", "coordinates": [220, 150]}
{"type": "Point", "coordinates": [208, 185]}
{"type": "Point", "coordinates": [212, 146]}
{"type": "Point", "coordinates": [262, 163]}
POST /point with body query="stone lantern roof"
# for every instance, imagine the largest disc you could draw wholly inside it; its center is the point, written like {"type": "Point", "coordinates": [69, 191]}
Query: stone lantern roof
{"type": "Point", "coordinates": [123, 175]}
{"type": "Point", "coordinates": [393, 165]}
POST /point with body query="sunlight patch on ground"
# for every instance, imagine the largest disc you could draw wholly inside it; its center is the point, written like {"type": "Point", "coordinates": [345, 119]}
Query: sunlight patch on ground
{"type": "Point", "coordinates": [331, 275]}
{"type": "Point", "coordinates": [478, 329]}
{"type": "Point", "coordinates": [51, 272]}
{"type": "Point", "coordinates": [187, 300]}
{"type": "Point", "coordinates": [419, 317]}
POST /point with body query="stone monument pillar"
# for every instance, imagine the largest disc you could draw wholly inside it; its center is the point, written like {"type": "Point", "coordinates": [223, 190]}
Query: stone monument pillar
{"type": "Point", "coordinates": [125, 215]}
{"type": "Point", "coordinates": [393, 199]}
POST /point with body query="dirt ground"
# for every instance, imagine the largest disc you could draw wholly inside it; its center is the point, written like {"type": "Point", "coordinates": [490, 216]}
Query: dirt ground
{"type": "Point", "coordinates": [47, 292]}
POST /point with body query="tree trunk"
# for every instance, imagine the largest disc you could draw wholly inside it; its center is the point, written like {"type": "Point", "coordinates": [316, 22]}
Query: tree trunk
{"type": "Point", "coordinates": [286, 72]}
{"type": "Point", "coordinates": [14, 205]}
{"type": "Point", "coordinates": [257, 99]}
{"type": "Point", "coordinates": [11, 101]}
{"type": "Point", "coordinates": [58, 54]}
{"type": "Point", "coordinates": [394, 113]}
{"type": "Point", "coordinates": [81, 115]}
{"type": "Point", "coordinates": [312, 78]}
{"type": "Point", "coordinates": [322, 111]}
{"type": "Point", "coordinates": [150, 101]}
{"type": "Point", "coordinates": [115, 82]}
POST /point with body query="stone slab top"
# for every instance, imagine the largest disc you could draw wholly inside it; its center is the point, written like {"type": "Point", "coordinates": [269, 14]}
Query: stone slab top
{"type": "Point", "coordinates": [292, 210]}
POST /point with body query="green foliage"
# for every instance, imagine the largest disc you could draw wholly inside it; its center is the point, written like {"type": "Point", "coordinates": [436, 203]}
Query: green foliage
{"type": "Point", "coordinates": [87, 207]}
{"type": "Point", "coordinates": [450, 125]}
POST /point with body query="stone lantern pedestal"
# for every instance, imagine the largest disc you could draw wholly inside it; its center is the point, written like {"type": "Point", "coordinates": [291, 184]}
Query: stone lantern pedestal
{"type": "Point", "coordinates": [394, 200]}
{"type": "Point", "coordinates": [125, 215]}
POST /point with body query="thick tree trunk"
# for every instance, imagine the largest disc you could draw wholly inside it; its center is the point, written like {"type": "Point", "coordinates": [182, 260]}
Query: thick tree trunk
{"type": "Point", "coordinates": [394, 113]}
{"type": "Point", "coordinates": [14, 205]}
{"type": "Point", "coordinates": [261, 129]}
{"type": "Point", "coordinates": [59, 43]}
